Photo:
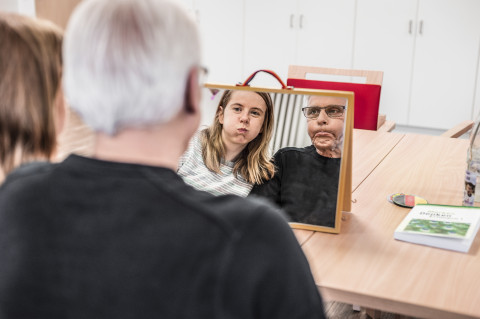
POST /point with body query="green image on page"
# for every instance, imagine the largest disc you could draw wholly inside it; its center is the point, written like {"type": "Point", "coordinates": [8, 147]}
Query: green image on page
{"type": "Point", "coordinates": [426, 226]}
{"type": "Point", "coordinates": [406, 200]}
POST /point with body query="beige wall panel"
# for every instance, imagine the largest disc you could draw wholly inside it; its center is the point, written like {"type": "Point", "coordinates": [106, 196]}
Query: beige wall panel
{"type": "Point", "coordinates": [57, 11]}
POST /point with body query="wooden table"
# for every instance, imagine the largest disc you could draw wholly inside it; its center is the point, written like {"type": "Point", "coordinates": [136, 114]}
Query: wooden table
{"type": "Point", "coordinates": [364, 265]}
{"type": "Point", "coordinates": [369, 150]}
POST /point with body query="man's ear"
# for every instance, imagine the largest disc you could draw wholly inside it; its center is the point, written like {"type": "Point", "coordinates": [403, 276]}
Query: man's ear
{"type": "Point", "coordinates": [192, 92]}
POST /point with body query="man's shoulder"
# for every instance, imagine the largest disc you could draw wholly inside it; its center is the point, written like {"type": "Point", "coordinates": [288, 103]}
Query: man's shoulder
{"type": "Point", "coordinates": [27, 175]}
{"type": "Point", "coordinates": [230, 212]}
{"type": "Point", "coordinates": [236, 212]}
{"type": "Point", "coordinates": [249, 206]}
{"type": "Point", "coordinates": [294, 150]}
{"type": "Point", "coordinates": [24, 188]}
{"type": "Point", "coordinates": [293, 154]}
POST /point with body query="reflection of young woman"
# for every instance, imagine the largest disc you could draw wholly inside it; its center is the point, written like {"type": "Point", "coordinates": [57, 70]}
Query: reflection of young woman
{"type": "Point", "coordinates": [305, 184]}
{"type": "Point", "coordinates": [232, 154]}
{"type": "Point", "coordinates": [32, 107]}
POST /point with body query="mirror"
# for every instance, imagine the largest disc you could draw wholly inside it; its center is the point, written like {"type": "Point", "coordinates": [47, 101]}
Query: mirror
{"type": "Point", "coordinates": [313, 180]}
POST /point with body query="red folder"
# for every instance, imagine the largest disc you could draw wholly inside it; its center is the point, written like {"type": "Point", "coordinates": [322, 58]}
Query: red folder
{"type": "Point", "coordinates": [367, 99]}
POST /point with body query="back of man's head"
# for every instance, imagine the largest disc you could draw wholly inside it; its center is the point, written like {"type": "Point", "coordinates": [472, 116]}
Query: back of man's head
{"type": "Point", "coordinates": [126, 62]}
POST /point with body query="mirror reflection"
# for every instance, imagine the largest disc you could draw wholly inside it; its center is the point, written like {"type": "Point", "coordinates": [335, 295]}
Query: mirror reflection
{"type": "Point", "coordinates": [306, 179]}
{"type": "Point", "coordinates": [232, 153]}
{"type": "Point", "coordinates": [284, 147]}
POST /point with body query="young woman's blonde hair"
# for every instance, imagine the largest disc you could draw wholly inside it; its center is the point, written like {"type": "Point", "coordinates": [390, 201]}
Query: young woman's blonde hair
{"type": "Point", "coordinates": [30, 76]}
{"type": "Point", "coordinates": [253, 163]}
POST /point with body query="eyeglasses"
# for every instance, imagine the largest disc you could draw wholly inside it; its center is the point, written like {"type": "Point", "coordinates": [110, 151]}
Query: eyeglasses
{"type": "Point", "coordinates": [333, 111]}
{"type": "Point", "coordinates": [202, 75]}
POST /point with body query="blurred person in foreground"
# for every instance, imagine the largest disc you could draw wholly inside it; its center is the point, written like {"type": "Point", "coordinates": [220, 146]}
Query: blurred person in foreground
{"type": "Point", "coordinates": [120, 235]}
{"type": "Point", "coordinates": [32, 107]}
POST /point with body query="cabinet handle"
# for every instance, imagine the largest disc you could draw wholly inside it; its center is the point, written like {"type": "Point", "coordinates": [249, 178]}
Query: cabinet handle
{"type": "Point", "coordinates": [420, 28]}
{"type": "Point", "coordinates": [410, 24]}
{"type": "Point", "coordinates": [301, 21]}
{"type": "Point", "coordinates": [291, 21]}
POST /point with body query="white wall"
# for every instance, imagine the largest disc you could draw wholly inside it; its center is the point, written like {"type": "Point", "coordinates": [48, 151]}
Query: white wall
{"type": "Point", "coordinates": [20, 6]}
{"type": "Point", "coordinates": [9, 5]}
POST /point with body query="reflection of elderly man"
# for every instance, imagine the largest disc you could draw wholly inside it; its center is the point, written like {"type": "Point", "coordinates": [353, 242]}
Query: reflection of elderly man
{"type": "Point", "coordinates": [306, 179]}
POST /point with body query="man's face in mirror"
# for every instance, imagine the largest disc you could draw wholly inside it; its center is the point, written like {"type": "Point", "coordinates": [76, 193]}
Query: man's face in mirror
{"type": "Point", "coordinates": [469, 188]}
{"type": "Point", "coordinates": [325, 121]}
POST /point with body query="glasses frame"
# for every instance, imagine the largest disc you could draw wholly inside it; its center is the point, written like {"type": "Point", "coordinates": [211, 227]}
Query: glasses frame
{"type": "Point", "coordinates": [202, 75]}
{"type": "Point", "coordinates": [304, 109]}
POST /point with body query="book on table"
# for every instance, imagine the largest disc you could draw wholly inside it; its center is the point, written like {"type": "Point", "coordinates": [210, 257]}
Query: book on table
{"type": "Point", "coordinates": [447, 227]}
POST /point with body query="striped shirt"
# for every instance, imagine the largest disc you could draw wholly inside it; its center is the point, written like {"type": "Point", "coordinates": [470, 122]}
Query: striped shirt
{"type": "Point", "coordinates": [194, 172]}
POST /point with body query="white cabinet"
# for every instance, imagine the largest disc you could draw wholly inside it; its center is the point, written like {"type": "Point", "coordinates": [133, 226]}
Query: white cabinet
{"type": "Point", "coordinates": [325, 37]}
{"type": "Point", "coordinates": [270, 38]}
{"type": "Point", "coordinates": [446, 55]}
{"type": "Point", "coordinates": [221, 27]}
{"type": "Point", "coordinates": [306, 32]}
{"type": "Point", "coordinates": [384, 41]}
{"type": "Point", "coordinates": [428, 50]}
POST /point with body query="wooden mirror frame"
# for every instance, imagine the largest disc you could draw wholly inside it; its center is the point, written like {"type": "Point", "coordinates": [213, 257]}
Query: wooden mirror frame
{"type": "Point", "coordinates": [344, 193]}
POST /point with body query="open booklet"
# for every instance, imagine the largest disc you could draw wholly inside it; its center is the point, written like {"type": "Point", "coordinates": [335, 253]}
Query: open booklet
{"type": "Point", "coordinates": [447, 227]}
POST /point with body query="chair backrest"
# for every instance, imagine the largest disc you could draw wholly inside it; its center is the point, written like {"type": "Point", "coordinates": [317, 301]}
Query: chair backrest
{"type": "Point", "coordinates": [459, 129]}
{"type": "Point", "coordinates": [367, 93]}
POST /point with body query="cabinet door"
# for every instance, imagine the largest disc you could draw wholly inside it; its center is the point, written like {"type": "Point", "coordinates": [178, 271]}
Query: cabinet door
{"type": "Point", "coordinates": [221, 30]}
{"type": "Point", "coordinates": [446, 57]}
{"type": "Point", "coordinates": [270, 28]}
{"type": "Point", "coordinates": [325, 36]}
{"type": "Point", "coordinates": [384, 41]}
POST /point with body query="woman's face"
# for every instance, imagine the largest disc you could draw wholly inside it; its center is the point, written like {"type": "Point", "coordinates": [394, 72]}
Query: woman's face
{"type": "Point", "coordinates": [242, 118]}
{"type": "Point", "coordinates": [326, 132]}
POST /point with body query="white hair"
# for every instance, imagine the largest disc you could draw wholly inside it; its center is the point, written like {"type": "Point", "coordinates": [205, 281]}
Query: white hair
{"type": "Point", "coordinates": [126, 62]}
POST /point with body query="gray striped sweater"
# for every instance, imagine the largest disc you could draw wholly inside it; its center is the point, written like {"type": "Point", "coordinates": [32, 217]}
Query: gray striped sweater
{"type": "Point", "coordinates": [194, 172]}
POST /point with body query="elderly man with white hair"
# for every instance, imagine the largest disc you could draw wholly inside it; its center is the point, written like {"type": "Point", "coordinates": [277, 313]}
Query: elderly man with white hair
{"type": "Point", "coordinates": [119, 234]}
